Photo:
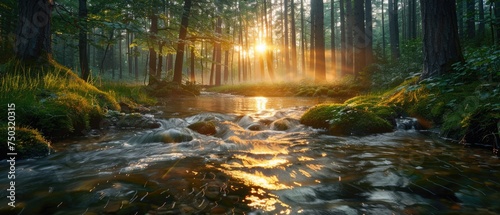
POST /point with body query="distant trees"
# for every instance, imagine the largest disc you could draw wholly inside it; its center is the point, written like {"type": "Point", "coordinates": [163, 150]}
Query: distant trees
{"type": "Point", "coordinates": [144, 37]}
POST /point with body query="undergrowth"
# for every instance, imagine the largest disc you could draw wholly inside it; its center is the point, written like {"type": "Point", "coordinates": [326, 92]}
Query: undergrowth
{"type": "Point", "coordinates": [52, 99]}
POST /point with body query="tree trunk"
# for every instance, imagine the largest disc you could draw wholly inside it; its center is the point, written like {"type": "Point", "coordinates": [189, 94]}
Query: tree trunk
{"type": "Point", "coordinates": [441, 42]}
{"type": "Point", "coordinates": [312, 44]}
{"type": "Point", "coordinates": [285, 35]}
{"type": "Point", "coordinates": [302, 38]}
{"type": "Point", "coordinates": [332, 37]}
{"type": "Point", "coordinates": [471, 14]}
{"type": "Point", "coordinates": [179, 58]}
{"type": "Point", "coordinates": [129, 53]}
{"type": "Point", "coordinates": [33, 41]}
{"type": "Point", "coordinates": [343, 44]}
{"type": "Point", "coordinates": [482, 22]}
{"type": "Point", "coordinates": [383, 31]}
{"type": "Point", "coordinates": [394, 29]}
{"type": "Point", "coordinates": [269, 40]}
{"type": "Point", "coordinates": [120, 56]}
{"type": "Point", "coordinates": [349, 35]}
{"type": "Point", "coordinates": [369, 32]}
{"type": "Point", "coordinates": [497, 18]}
{"type": "Point", "coordinates": [160, 61]}
{"type": "Point", "coordinates": [412, 19]}
{"type": "Point", "coordinates": [319, 41]}
{"type": "Point", "coordinates": [82, 40]}
{"type": "Point", "coordinates": [359, 37]}
{"type": "Point", "coordinates": [294, 40]}
{"type": "Point", "coordinates": [218, 52]}
{"type": "Point", "coordinates": [191, 65]}
{"type": "Point", "coordinates": [460, 17]}
{"type": "Point", "coordinates": [153, 30]}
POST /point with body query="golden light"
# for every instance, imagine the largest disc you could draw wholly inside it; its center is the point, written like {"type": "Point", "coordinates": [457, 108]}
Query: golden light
{"type": "Point", "coordinates": [261, 102]}
{"type": "Point", "coordinates": [261, 47]}
{"type": "Point", "coordinates": [237, 48]}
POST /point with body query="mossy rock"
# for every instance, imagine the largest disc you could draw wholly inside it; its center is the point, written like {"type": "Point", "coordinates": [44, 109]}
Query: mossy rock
{"type": "Point", "coordinates": [29, 143]}
{"type": "Point", "coordinates": [320, 115]}
{"type": "Point", "coordinates": [358, 122]}
{"type": "Point", "coordinates": [345, 120]}
{"type": "Point", "coordinates": [204, 127]}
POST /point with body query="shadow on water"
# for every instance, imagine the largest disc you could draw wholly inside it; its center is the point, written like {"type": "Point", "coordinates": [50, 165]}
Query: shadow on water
{"type": "Point", "coordinates": [260, 161]}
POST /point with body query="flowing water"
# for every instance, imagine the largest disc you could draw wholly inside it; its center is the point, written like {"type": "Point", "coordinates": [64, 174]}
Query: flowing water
{"type": "Point", "coordinates": [260, 161]}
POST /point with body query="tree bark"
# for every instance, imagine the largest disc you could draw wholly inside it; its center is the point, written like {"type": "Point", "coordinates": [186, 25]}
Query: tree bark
{"type": "Point", "coordinates": [191, 65]}
{"type": "Point", "coordinates": [497, 18]}
{"type": "Point", "coordinates": [349, 19]}
{"type": "Point", "coordinates": [218, 52]}
{"type": "Point", "coordinates": [82, 40]}
{"type": "Point", "coordinates": [285, 35]}
{"type": "Point", "coordinates": [294, 39]}
{"type": "Point", "coordinates": [441, 41]}
{"type": "Point", "coordinates": [332, 37]}
{"type": "Point", "coordinates": [153, 30]}
{"type": "Point", "coordinates": [482, 22]}
{"type": "Point", "coordinates": [369, 32]}
{"type": "Point", "coordinates": [471, 14]}
{"type": "Point", "coordinates": [343, 47]}
{"type": "Point", "coordinates": [394, 29]}
{"type": "Point", "coordinates": [33, 38]}
{"type": "Point", "coordinates": [359, 37]}
{"type": "Point", "coordinates": [179, 58]}
{"type": "Point", "coordinates": [302, 39]}
{"type": "Point", "coordinates": [319, 41]}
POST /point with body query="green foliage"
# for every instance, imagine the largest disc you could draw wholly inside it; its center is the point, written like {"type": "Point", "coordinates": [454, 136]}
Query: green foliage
{"type": "Point", "coordinates": [29, 143]}
{"type": "Point", "coordinates": [385, 74]}
{"type": "Point", "coordinates": [464, 104]}
{"type": "Point", "coordinates": [128, 93]}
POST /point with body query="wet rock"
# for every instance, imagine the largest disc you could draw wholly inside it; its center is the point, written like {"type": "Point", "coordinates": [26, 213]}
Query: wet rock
{"type": "Point", "coordinates": [172, 135]}
{"type": "Point", "coordinates": [204, 127]}
{"type": "Point", "coordinates": [136, 120]}
{"type": "Point", "coordinates": [284, 124]}
{"type": "Point", "coordinates": [255, 127]}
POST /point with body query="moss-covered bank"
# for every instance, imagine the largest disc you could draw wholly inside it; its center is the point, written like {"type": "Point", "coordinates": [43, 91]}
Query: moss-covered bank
{"type": "Point", "coordinates": [343, 88]}
{"type": "Point", "coordinates": [465, 110]}
{"type": "Point", "coordinates": [28, 142]}
{"type": "Point", "coordinates": [51, 99]}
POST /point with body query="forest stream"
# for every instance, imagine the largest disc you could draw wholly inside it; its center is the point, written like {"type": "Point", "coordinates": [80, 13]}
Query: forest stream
{"type": "Point", "coordinates": [253, 165]}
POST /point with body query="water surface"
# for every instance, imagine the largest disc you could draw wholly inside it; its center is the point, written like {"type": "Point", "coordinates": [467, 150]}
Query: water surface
{"type": "Point", "coordinates": [254, 166]}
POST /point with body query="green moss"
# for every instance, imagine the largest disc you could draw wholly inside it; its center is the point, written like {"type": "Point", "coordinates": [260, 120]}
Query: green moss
{"type": "Point", "coordinates": [319, 116]}
{"type": "Point", "coordinates": [29, 143]}
{"type": "Point", "coordinates": [358, 122]}
{"type": "Point", "coordinates": [52, 99]}
{"type": "Point", "coordinates": [346, 119]}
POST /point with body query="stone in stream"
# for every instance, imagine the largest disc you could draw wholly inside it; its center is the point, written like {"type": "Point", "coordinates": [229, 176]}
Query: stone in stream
{"type": "Point", "coordinates": [284, 124]}
{"type": "Point", "coordinates": [204, 127]}
{"type": "Point", "coordinates": [173, 135]}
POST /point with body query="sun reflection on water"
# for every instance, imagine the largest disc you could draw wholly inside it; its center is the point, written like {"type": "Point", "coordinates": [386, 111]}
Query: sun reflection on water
{"type": "Point", "coordinates": [261, 103]}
